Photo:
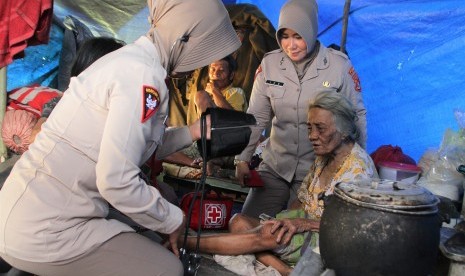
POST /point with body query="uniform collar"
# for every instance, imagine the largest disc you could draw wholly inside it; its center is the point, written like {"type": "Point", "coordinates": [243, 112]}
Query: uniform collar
{"type": "Point", "coordinates": [287, 68]}
{"type": "Point", "coordinates": [320, 62]}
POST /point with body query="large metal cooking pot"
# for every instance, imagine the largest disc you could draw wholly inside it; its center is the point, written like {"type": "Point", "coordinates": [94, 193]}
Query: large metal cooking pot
{"type": "Point", "coordinates": [380, 227]}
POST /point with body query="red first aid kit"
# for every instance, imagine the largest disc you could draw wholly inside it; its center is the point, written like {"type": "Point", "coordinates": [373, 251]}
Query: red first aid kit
{"type": "Point", "coordinates": [216, 210]}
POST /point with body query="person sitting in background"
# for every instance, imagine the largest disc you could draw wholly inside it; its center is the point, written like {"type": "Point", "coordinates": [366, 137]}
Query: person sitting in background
{"type": "Point", "coordinates": [220, 93]}
{"type": "Point", "coordinates": [279, 242]}
{"type": "Point", "coordinates": [91, 50]}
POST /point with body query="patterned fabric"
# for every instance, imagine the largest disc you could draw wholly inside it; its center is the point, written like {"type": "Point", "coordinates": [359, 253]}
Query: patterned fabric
{"type": "Point", "coordinates": [32, 98]}
{"type": "Point", "coordinates": [357, 166]}
{"type": "Point", "coordinates": [180, 171]}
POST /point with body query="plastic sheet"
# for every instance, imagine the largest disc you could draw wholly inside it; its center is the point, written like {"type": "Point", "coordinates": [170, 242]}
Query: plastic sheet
{"type": "Point", "coordinates": [442, 176]}
{"type": "Point", "coordinates": [409, 57]}
{"type": "Point", "coordinates": [39, 65]}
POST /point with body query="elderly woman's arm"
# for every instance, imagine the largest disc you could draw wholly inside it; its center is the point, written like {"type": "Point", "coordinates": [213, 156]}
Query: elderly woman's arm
{"type": "Point", "coordinates": [286, 228]}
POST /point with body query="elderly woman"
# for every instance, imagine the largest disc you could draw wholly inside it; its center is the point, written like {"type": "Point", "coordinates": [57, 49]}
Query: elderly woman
{"type": "Point", "coordinates": [332, 132]}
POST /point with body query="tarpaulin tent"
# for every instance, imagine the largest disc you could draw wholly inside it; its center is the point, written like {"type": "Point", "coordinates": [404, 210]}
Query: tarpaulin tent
{"type": "Point", "coordinates": [408, 53]}
{"type": "Point", "coordinates": [409, 56]}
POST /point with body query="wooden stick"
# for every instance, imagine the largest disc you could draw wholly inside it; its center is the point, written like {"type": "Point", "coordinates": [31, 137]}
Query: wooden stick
{"type": "Point", "coordinates": [3, 97]}
{"type": "Point", "coordinates": [345, 22]}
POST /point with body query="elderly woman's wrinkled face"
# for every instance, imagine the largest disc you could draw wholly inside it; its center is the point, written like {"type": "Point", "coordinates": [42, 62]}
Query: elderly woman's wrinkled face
{"type": "Point", "coordinates": [293, 45]}
{"type": "Point", "coordinates": [322, 131]}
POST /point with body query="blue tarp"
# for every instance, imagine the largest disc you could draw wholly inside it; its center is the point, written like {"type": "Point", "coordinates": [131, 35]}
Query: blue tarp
{"type": "Point", "coordinates": [411, 61]}
{"type": "Point", "coordinates": [409, 56]}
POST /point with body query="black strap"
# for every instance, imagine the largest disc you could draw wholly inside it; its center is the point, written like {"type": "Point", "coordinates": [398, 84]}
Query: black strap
{"type": "Point", "coordinates": [191, 261]}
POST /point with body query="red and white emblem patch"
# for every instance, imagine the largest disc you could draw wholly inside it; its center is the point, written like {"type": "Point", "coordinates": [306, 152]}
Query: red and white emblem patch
{"type": "Point", "coordinates": [356, 79]}
{"type": "Point", "coordinates": [215, 215]}
{"type": "Point", "coordinates": [150, 102]}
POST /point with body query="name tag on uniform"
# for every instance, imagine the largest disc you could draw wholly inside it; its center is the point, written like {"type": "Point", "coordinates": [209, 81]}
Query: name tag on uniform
{"type": "Point", "coordinates": [275, 83]}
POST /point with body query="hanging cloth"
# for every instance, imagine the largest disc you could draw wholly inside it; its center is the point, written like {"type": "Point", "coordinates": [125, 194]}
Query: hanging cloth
{"type": "Point", "coordinates": [23, 23]}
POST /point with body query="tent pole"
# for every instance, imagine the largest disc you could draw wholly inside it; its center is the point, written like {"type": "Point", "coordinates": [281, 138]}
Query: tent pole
{"type": "Point", "coordinates": [3, 97]}
{"type": "Point", "coordinates": [345, 21]}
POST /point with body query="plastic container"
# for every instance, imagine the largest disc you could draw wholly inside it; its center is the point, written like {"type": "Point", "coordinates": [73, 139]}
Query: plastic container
{"type": "Point", "coordinates": [399, 171]}
{"type": "Point", "coordinates": [442, 189]}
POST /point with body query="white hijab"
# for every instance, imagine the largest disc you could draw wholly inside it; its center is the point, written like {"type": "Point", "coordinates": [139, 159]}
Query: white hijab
{"type": "Point", "coordinates": [191, 34]}
{"type": "Point", "coordinates": [301, 16]}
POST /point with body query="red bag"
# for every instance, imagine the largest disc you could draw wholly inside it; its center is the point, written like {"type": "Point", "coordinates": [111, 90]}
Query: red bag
{"type": "Point", "coordinates": [391, 154]}
{"type": "Point", "coordinates": [216, 210]}
{"type": "Point", "coordinates": [254, 180]}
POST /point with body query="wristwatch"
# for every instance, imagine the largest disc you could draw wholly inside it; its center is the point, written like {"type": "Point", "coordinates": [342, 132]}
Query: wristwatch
{"type": "Point", "coordinates": [237, 161]}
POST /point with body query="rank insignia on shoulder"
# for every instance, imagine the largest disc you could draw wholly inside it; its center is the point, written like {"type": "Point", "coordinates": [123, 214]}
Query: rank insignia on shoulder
{"type": "Point", "coordinates": [275, 83]}
{"type": "Point", "coordinates": [326, 84]}
{"type": "Point", "coordinates": [150, 102]}
{"type": "Point", "coordinates": [356, 79]}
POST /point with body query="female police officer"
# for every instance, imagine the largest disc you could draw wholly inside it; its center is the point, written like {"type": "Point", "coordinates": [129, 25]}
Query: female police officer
{"type": "Point", "coordinates": [285, 82]}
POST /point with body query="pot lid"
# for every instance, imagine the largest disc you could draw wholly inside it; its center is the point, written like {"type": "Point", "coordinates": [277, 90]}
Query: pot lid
{"type": "Point", "coordinates": [388, 194]}
{"type": "Point", "coordinates": [400, 166]}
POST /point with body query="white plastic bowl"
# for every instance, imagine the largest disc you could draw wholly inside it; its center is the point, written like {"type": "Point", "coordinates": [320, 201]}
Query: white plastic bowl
{"type": "Point", "coordinates": [407, 173]}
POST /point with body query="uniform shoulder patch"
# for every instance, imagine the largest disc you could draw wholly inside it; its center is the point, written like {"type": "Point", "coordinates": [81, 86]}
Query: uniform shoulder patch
{"type": "Point", "coordinates": [356, 79]}
{"type": "Point", "coordinates": [150, 102]}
